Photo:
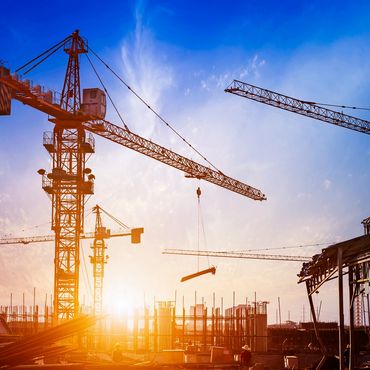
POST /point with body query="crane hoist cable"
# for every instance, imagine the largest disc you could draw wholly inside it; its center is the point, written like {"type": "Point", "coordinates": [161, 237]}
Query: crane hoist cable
{"type": "Point", "coordinates": [48, 53]}
{"type": "Point", "coordinates": [106, 91]}
{"type": "Point", "coordinates": [284, 247]}
{"type": "Point", "coordinates": [200, 224]}
{"type": "Point", "coordinates": [115, 219]}
{"type": "Point", "coordinates": [154, 111]}
{"type": "Point", "coordinates": [39, 225]}
{"type": "Point", "coordinates": [25, 229]}
{"type": "Point", "coordinates": [43, 59]}
{"type": "Point", "coordinates": [84, 267]}
{"type": "Point", "coordinates": [85, 274]}
{"type": "Point", "coordinates": [338, 106]}
{"type": "Point", "coordinates": [88, 213]}
{"type": "Point", "coordinates": [56, 47]}
{"type": "Point", "coordinates": [199, 192]}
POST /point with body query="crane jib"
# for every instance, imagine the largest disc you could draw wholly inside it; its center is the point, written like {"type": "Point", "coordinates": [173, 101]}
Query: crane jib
{"type": "Point", "coordinates": [237, 254]}
{"type": "Point", "coordinates": [46, 101]}
{"type": "Point", "coordinates": [128, 139]}
{"type": "Point", "coordinates": [302, 107]}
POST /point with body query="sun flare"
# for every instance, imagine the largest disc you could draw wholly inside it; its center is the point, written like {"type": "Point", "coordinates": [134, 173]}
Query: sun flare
{"type": "Point", "coordinates": [120, 305]}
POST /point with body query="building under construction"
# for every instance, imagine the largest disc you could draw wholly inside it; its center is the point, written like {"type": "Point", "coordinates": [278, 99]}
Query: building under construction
{"type": "Point", "coordinates": [169, 334]}
{"type": "Point", "coordinates": [160, 328]}
{"type": "Point", "coordinates": [164, 328]}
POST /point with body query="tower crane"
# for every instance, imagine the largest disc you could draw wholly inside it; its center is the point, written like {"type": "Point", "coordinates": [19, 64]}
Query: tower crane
{"type": "Point", "coordinates": [309, 109]}
{"type": "Point", "coordinates": [98, 259]}
{"type": "Point", "coordinates": [237, 254]}
{"type": "Point", "coordinates": [70, 144]}
{"type": "Point", "coordinates": [305, 108]}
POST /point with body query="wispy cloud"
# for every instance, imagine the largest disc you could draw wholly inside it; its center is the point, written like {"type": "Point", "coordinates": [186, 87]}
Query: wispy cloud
{"type": "Point", "coordinates": [327, 184]}
{"type": "Point", "coordinates": [144, 67]}
{"type": "Point", "coordinates": [218, 81]}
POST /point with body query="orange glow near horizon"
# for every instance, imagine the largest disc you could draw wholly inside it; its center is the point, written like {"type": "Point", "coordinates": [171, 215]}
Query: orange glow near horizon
{"type": "Point", "coordinates": [120, 304]}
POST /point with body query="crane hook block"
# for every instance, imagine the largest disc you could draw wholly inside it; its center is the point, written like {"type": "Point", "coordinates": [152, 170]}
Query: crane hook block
{"type": "Point", "coordinates": [136, 235]}
{"type": "Point", "coordinates": [199, 192]}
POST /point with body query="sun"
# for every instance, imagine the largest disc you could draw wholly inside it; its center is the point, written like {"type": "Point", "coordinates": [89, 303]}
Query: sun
{"type": "Point", "coordinates": [119, 305]}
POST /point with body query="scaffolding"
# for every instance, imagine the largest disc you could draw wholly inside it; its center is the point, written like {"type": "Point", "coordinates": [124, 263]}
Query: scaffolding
{"type": "Point", "coordinates": [148, 330]}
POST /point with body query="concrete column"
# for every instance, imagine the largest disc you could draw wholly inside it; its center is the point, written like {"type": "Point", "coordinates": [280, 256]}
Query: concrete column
{"type": "Point", "coordinates": [341, 314]}
{"type": "Point", "coordinates": [351, 318]}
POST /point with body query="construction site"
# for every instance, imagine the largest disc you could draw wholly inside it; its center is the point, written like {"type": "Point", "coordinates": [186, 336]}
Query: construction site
{"type": "Point", "coordinates": [190, 329]}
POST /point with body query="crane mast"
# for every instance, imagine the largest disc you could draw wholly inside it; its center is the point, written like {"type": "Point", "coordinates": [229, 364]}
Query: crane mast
{"type": "Point", "coordinates": [71, 93]}
{"type": "Point", "coordinates": [98, 260]}
{"type": "Point", "coordinates": [302, 107]}
{"type": "Point", "coordinates": [68, 186]}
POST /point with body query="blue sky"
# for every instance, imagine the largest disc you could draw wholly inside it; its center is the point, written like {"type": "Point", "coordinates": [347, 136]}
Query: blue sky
{"type": "Point", "coordinates": [180, 55]}
{"type": "Point", "coordinates": [248, 25]}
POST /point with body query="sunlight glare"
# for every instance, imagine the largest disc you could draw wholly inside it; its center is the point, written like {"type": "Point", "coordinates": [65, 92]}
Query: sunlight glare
{"type": "Point", "coordinates": [121, 305]}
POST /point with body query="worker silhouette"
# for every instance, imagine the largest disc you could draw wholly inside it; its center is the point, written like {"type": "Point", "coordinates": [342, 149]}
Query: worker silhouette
{"type": "Point", "coordinates": [246, 356]}
{"type": "Point", "coordinates": [346, 355]}
{"type": "Point", "coordinates": [117, 353]}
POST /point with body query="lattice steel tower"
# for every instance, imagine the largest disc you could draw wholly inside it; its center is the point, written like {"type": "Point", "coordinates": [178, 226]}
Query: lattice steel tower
{"type": "Point", "coordinates": [98, 260]}
{"type": "Point", "coordinates": [68, 146]}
